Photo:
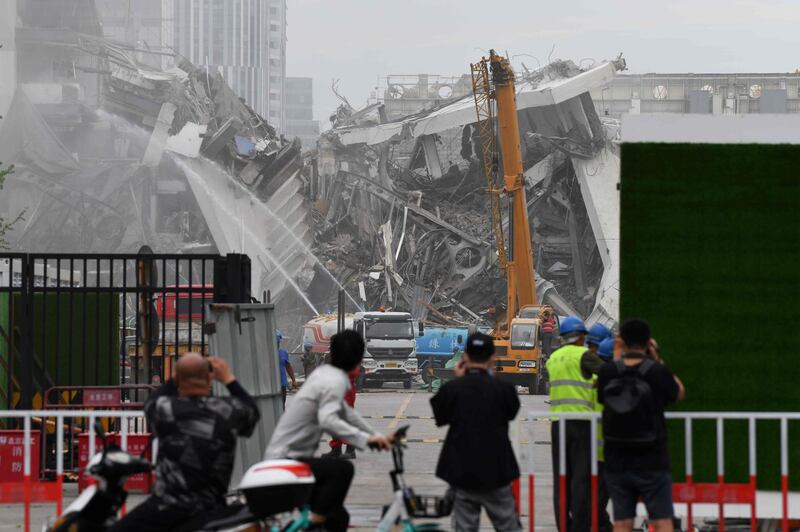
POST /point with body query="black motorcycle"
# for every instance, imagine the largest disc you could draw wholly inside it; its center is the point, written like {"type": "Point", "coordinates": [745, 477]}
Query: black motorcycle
{"type": "Point", "coordinates": [268, 490]}
{"type": "Point", "coordinates": [96, 508]}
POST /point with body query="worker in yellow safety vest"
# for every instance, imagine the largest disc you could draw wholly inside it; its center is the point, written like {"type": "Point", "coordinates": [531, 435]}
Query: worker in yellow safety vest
{"type": "Point", "coordinates": [571, 370]}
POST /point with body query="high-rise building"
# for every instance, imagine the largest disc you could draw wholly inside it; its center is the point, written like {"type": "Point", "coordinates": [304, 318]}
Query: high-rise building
{"type": "Point", "coordinates": [245, 40]}
{"type": "Point", "coordinates": [145, 25]}
{"type": "Point", "coordinates": [300, 121]}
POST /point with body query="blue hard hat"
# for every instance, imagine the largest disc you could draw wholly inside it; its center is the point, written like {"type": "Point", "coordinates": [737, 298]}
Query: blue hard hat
{"type": "Point", "coordinates": [570, 325]}
{"type": "Point", "coordinates": [597, 333]}
{"type": "Point", "coordinates": [307, 346]}
{"type": "Point", "coordinates": [278, 335]}
{"type": "Point", "coordinates": [606, 348]}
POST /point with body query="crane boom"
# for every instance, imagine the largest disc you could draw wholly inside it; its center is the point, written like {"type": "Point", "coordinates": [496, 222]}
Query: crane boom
{"type": "Point", "coordinates": [482, 91]}
{"type": "Point", "coordinates": [517, 341]}
{"type": "Point", "coordinates": [500, 88]}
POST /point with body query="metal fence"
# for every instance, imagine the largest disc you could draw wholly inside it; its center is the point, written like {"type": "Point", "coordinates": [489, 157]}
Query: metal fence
{"type": "Point", "coordinates": [689, 492]}
{"type": "Point", "coordinates": [84, 331]}
{"type": "Point", "coordinates": [26, 487]}
{"type": "Point", "coordinates": [89, 320]}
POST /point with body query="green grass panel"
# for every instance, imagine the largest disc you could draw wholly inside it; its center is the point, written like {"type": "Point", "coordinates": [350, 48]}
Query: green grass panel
{"type": "Point", "coordinates": [710, 256]}
{"type": "Point", "coordinates": [75, 338]}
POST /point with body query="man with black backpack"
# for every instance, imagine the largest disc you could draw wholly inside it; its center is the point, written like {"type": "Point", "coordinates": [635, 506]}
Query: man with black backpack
{"type": "Point", "coordinates": [635, 389]}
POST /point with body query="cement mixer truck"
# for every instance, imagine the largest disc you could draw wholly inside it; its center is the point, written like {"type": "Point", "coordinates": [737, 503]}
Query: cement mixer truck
{"type": "Point", "coordinates": [391, 347]}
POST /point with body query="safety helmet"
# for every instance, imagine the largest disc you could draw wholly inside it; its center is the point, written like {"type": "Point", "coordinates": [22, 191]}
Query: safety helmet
{"type": "Point", "coordinates": [606, 349]}
{"type": "Point", "coordinates": [597, 333]}
{"type": "Point", "coordinates": [278, 335]}
{"type": "Point", "coordinates": [571, 325]}
{"type": "Point", "coordinates": [307, 346]}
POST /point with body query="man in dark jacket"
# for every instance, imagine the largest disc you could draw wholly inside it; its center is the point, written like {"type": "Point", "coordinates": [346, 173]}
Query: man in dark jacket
{"type": "Point", "coordinates": [197, 435]}
{"type": "Point", "coordinates": [477, 459]}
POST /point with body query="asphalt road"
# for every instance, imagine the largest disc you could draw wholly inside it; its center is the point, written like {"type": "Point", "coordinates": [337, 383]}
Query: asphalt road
{"type": "Point", "coordinates": [387, 409]}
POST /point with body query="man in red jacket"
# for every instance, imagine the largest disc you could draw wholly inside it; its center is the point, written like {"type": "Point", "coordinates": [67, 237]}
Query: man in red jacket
{"type": "Point", "coordinates": [548, 326]}
{"type": "Point", "coordinates": [350, 399]}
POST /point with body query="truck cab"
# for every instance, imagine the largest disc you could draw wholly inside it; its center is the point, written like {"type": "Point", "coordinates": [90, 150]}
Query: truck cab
{"type": "Point", "coordinates": [391, 347]}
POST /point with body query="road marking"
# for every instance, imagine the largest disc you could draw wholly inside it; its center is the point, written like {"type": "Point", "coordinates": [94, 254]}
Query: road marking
{"type": "Point", "coordinates": [400, 412]}
{"type": "Point", "coordinates": [420, 417]}
{"type": "Point", "coordinates": [397, 417]}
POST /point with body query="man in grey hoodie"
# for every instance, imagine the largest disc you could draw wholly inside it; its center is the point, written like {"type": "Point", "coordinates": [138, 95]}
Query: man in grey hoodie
{"type": "Point", "coordinates": [319, 407]}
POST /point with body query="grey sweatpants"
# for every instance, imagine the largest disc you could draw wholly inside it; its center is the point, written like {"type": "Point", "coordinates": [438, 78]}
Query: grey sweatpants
{"type": "Point", "coordinates": [499, 504]}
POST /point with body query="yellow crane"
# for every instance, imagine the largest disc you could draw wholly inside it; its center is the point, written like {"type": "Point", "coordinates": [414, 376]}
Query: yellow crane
{"type": "Point", "coordinates": [517, 340]}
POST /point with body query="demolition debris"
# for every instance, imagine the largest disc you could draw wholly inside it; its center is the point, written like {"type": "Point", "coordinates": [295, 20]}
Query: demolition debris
{"type": "Point", "coordinates": [400, 202]}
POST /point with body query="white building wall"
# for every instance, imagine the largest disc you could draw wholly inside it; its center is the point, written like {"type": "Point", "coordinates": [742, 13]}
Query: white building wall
{"type": "Point", "coordinates": [8, 54]}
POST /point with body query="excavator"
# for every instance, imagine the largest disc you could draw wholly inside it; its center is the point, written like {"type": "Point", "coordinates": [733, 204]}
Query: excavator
{"type": "Point", "coordinates": [518, 336]}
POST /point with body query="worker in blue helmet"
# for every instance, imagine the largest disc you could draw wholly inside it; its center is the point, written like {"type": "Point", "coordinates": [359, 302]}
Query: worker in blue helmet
{"type": "Point", "coordinates": [606, 349]}
{"type": "Point", "coordinates": [597, 333]}
{"type": "Point", "coordinates": [287, 371]}
{"type": "Point", "coordinates": [571, 371]}
{"type": "Point", "coordinates": [309, 359]}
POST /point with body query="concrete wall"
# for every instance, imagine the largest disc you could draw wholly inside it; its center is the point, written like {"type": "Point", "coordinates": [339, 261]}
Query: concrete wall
{"type": "Point", "coordinates": [670, 93]}
{"type": "Point", "coordinates": [709, 129]}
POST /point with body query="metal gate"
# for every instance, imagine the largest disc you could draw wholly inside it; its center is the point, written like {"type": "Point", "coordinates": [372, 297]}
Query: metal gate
{"type": "Point", "coordinates": [69, 323]}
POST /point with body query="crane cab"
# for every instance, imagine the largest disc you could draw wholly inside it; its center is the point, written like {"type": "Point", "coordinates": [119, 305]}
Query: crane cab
{"type": "Point", "coordinates": [519, 354]}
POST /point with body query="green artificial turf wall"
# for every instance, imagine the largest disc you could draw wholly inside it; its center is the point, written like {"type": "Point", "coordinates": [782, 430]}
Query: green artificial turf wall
{"type": "Point", "coordinates": [710, 256]}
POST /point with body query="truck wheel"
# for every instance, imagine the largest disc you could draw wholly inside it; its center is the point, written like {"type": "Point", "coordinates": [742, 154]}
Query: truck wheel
{"type": "Point", "coordinates": [533, 385]}
{"type": "Point", "coordinates": [426, 377]}
{"type": "Point", "coordinates": [407, 384]}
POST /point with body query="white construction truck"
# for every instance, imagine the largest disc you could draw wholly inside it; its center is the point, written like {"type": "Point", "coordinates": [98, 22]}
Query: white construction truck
{"type": "Point", "coordinates": [391, 350]}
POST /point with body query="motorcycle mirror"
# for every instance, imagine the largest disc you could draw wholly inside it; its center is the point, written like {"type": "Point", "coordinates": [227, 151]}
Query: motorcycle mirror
{"type": "Point", "coordinates": [98, 429]}
{"type": "Point", "coordinates": [400, 433]}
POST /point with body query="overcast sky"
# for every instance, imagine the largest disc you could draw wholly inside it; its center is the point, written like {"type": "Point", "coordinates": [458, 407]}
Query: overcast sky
{"type": "Point", "coordinates": [358, 41]}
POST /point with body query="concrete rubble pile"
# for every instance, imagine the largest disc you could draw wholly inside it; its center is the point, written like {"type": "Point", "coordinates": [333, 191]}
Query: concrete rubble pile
{"type": "Point", "coordinates": [115, 154]}
{"type": "Point", "coordinates": [400, 205]}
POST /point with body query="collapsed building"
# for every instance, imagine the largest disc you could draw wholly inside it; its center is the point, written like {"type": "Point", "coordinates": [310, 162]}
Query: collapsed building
{"type": "Point", "coordinates": [111, 153]}
{"type": "Point", "coordinates": [400, 203]}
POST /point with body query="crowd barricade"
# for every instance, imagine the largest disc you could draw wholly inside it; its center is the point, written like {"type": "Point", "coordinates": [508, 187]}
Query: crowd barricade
{"type": "Point", "coordinates": [28, 487]}
{"type": "Point", "coordinates": [688, 492]}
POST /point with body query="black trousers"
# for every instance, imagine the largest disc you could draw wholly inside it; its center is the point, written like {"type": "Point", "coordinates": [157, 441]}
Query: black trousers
{"type": "Point", "coordinates": [579, 474]}
{"type": "Point", "coordinates": [603, 497]}
{"type": "Point", "coordinates": [547, 344]}
{"type": "Point", "coordinates": [147, 516]}
{"type": "Point", "coordinates": [332, 481]}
